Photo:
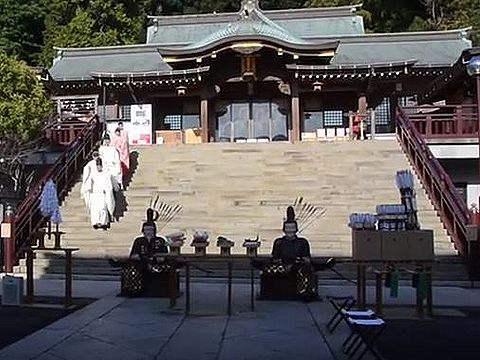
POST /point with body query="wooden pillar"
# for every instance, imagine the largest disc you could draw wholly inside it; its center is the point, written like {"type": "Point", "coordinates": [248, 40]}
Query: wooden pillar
{"type": "Point", "coordinates": [393, 111]}
{"type": "Point", "coordinates": [295, 133]}
{"type": "Point", "coordinates": [204, 119]}
{"type": "Point", "coordinates": [362, 104]}
{"type": "Point", "coordinates": [8, 240]}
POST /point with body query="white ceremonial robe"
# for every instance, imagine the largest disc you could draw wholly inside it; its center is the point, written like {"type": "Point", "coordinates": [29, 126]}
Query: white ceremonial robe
{"type": "Point", "coordinates": [85, 190]}
{"type": "Point", "coordinates": [111, 162]}
{"type": "Point", "coordinates": [102, 200]}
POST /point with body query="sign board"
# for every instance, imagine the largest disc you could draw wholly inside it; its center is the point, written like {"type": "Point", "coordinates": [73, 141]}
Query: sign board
{"type": "Point", "coordinates": [6, 230]}
{"type": "Point", "coordinates": [139, 128]}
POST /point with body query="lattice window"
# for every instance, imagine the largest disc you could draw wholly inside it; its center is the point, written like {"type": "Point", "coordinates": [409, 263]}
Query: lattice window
{"type": "Point", "coordinates": [382, 112]}
{"type": "Point", "coordinates": [175, 121]}
{"type": "Point", "coordinates": [333, 118]}
{"type": "Point", "coordinates": [125, 112]}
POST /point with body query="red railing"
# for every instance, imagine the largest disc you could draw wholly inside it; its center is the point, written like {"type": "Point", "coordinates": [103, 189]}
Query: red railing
{"type": "Point", "coordinates": [64, 133]}
{"type": "Point", "coordinates": [443, 194]}
{"type": "Point", "coordinates": [28, 217]}
{"type": "Point", "coordinates": [444, 122]}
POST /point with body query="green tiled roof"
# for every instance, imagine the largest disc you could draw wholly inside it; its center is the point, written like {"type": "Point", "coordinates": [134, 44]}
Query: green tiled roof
{"type": "Point", "coordinates": [427, 48]}
{"type": "Point", "coordinates": [298, 23]}
{"type": "Point", "coordinates": [81, 64]}
{"type": "Point", "coordinates": [261, 26]}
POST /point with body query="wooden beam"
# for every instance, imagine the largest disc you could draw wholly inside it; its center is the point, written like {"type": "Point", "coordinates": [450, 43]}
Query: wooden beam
{"type": "Point", "coordinates": [295, 133]}
{"type": "Point", "coordinates": [204, 119]}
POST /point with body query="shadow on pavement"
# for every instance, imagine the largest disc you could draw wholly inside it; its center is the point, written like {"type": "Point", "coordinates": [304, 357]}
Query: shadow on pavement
{"type": "Point", "coordinates": [16, 322]}
{"type": "Point", "coordinates": [440, 338]}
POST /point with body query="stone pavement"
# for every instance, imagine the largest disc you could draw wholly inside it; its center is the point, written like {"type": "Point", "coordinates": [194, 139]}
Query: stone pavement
{"type": "Point", "coordinates": [119, 328]}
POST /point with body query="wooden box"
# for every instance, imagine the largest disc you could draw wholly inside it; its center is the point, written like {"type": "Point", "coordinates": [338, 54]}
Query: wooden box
{"type": "Point", "coordinates": [420, 245]}
{"type": "Point", "coordinates": [395, 245]}
{"type": "Point", "coordinates": [192, 136]}
{"type": "Point", "coordinates": [366, 245]}
{"type": "Point", "coordinates": [170, 136]}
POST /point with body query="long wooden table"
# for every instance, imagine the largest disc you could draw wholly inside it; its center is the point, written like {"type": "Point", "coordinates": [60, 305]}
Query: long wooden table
{"type": "Point", "coordinates": [68, 272]}
{"type": "Point", "coordinates": [230, 260]}
{"type": "Point", "coordinates": [191, 259]}
{"type": "Point", "coordinates": [362, 283]}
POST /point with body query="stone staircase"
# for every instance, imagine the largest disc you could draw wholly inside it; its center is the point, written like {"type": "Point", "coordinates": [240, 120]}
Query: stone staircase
{"type": "Point", "coordinates": [241, 190]}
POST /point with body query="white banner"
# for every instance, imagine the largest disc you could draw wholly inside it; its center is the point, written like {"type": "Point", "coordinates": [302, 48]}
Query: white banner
{"type": "Point", "coordinates": [140, 129]}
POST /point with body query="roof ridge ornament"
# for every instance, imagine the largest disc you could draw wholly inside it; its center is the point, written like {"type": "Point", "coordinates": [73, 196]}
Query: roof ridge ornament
{"type": "Point", "coordinates": [248, 7]}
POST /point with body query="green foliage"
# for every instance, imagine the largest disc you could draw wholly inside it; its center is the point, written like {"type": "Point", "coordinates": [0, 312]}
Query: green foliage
{"type": "Point", "coordinates": [382, 15]}
{"type": "Point", "coordinates": [30, 29]}
{"type": "Point", "coordinates": [23, 101]}
{"type": "Point", "coordinates": [81, 23]}
{"type": "Point", "coordinates": [21, 27]}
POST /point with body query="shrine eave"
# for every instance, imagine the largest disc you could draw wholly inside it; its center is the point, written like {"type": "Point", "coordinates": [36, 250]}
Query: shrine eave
{"type": "Point", "coordinates": [96, 80]}
{"type": "Point", "coordinates": [232, 42]}
{"type": "Point", "coordinates": [352, 67]}
{"type": "Point", "coordinates": [139, 76]}
{"type": "Point", "coordinates": [377, 71]}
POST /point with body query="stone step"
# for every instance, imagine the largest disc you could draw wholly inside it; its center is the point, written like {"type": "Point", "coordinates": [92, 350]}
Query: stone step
{"type": "Point", "coordinates": [239, 190]}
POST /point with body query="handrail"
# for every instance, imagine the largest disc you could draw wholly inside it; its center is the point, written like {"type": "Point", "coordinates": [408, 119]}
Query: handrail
{"type": "Point", "coordinates": [65, 132]}
{"type": "Point", "coordinates": [28, 217]}
{"type": "Point", "coordinates": [443, 194]}
{"type": "Point", "coordinates": [445, 121]}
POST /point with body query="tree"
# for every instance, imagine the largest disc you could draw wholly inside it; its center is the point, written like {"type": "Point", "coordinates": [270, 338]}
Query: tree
{"type": "Point", "coordinates": [451, 14]}
{"type": "Point", "coordinates": [21, 27]}
{"type": "Point", "coordinates": [382, 15]}
{"type": "Point", "coordinates": [24, 104]}
{"type": "Point", "coordinates": [80, 23]}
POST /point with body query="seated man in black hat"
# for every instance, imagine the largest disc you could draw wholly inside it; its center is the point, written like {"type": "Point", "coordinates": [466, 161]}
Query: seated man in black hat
{"type": "Point", "coordinates": [291, 271]}
{"type": "Point", "coordinates": [145, 259]}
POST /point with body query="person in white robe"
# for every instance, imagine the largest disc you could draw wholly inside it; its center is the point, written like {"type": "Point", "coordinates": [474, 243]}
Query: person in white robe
{"type": "Point", "coordinates": [102, 200]}
{"type": "Point", "coordinates": [111, 160]}
{"type": "Point", "coordinates": [88, 171]}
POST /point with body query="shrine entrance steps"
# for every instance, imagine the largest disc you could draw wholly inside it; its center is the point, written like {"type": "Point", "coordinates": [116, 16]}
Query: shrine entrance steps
{"type": "Point", "coordinates": [241, 190]}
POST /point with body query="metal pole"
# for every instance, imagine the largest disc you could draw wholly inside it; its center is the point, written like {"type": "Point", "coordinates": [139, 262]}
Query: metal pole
{"type": "Point", "coordinates": [373, 124]}
{"type": "Point", "coordinates": [477, 77]}
{"type": "Point", "coordinates": [9, 240]}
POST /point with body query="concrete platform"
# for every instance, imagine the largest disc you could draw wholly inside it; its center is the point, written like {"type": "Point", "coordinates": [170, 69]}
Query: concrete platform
{"type": "Point", "coordinates": [120, 328]}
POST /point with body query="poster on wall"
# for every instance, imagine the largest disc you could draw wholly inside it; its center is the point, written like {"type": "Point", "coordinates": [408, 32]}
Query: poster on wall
{"type": "Point", "coordinates": [139, 128]}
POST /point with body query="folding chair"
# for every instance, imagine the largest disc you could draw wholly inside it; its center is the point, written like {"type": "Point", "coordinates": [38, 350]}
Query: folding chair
{"type": "Point", "coordinates": [339, 303]}
{"type": "Point", "coordinates": [365, 332]}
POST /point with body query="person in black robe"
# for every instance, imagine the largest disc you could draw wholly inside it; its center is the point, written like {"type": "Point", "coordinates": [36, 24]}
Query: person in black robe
{"type": "Point", "coordinates": [145, 256]}
{"type": "Point", "coordinates": [291, 254]}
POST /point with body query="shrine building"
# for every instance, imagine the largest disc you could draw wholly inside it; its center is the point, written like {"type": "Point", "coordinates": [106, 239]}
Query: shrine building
{"type": "Point", "coordinates": [253, 75]}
